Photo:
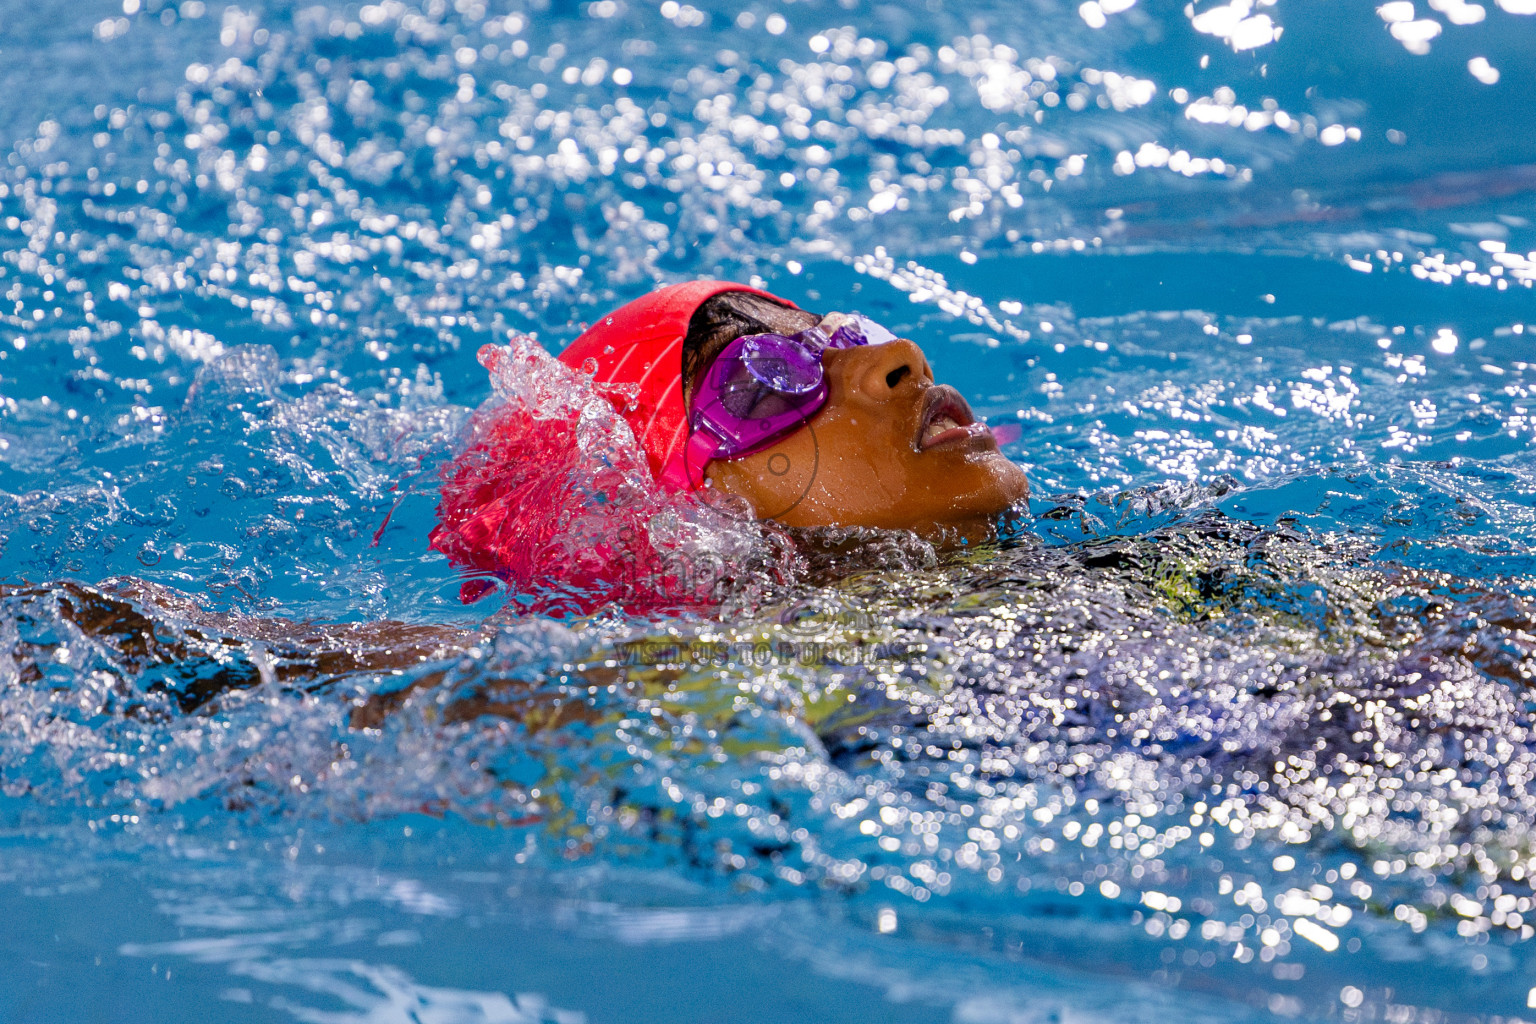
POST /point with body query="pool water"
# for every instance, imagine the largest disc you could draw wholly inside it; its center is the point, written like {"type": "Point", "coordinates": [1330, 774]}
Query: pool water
{"type": "Point", "coordinates": [1234, 725]}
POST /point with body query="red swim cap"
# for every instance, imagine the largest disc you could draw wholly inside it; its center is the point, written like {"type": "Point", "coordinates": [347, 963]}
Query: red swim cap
{"type": "Point", "coordinates": [642, 344]}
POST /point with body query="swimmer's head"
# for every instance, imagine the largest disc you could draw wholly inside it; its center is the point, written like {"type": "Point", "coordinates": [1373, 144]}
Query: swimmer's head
{"type": "Point", "coordinates": [859, 435]}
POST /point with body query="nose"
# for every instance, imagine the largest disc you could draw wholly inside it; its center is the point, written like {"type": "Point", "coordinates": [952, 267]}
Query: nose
{"type": "Point", "coordinates": [874, 372]}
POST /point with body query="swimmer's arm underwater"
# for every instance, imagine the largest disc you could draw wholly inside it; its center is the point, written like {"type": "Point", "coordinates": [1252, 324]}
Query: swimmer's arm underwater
{"type": "Point", "coordinates": [147, 630]}
{"type": "Point", "coordinates": [141, 626]}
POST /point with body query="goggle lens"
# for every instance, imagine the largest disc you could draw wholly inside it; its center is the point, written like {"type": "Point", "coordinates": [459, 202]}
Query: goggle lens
{"type": "Point", "coordinates": [780, 363]}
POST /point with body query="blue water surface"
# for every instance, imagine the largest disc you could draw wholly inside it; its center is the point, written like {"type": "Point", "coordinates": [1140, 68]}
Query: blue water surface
{"type": "Point", "coordinates": [1268, 263]}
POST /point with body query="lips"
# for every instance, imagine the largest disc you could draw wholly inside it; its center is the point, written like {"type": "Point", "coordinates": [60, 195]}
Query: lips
{"type": "Point", "coordinates": [946, 420]}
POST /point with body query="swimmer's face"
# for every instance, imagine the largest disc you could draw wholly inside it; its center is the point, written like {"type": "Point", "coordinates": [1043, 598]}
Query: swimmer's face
{"type": "Point", "coordinates": [890, 449]}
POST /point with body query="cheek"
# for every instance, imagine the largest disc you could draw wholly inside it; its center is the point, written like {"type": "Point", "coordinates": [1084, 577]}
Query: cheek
{"type": "Point", "coordinates": [866, 458]}
{"type": "Point", "coordinates": [775, 481]}
{"type": "Point", "coordinates": [979, 485]}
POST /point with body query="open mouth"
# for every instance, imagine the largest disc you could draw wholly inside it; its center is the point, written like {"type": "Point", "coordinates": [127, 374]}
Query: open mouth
{"type": "Point", "coordinates": [946, 419]}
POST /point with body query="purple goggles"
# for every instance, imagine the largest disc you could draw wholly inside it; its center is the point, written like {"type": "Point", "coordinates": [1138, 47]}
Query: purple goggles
{"type": "Point", "coordinates": [763, 387]}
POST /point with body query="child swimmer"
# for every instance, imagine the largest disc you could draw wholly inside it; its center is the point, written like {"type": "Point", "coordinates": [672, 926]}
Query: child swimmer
{"type": "Point", "coordinates": [814, 421]}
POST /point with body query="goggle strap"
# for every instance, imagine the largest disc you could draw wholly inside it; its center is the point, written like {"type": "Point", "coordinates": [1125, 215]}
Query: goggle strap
{"type": "Point", "coordinates": [688, 475]}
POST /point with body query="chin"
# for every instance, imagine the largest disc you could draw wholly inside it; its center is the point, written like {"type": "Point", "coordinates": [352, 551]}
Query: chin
{"type": "Point", "coordinates": [1001, 486]}
{"type": "Point", "coordinates": [1011, 481]}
